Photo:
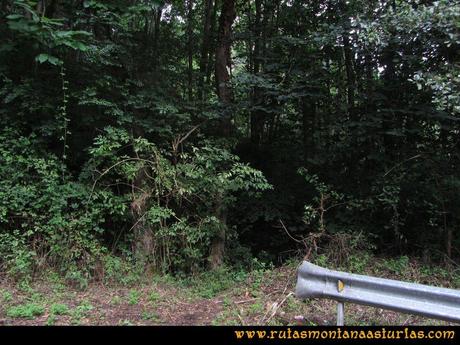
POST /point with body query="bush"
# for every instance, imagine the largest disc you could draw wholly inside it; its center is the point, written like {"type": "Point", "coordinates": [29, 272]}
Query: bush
{"type": "Point", "coordinates": [171, 203]}
{"type": "Point", "coordinates": [176, 198]}
{"type": "Point", "coordinates": [45, 217]}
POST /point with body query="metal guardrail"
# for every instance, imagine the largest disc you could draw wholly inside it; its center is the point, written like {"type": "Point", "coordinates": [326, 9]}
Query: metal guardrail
{"type": "Point", "coordinates": [433, 302]}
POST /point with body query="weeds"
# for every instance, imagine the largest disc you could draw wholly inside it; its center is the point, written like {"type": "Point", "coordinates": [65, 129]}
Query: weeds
{"type": "Point", "coordinates": [26, 311]}
{"type": "Point", "coordinates": [7, 297]}
{"type": "Point", "coordinates": [209, 284]}
{"type": "Point", "coordinates": [116, 300]}
{"type": "Point", "coordinates": [149, 316]}
{"type": "Point", "coordinates": [231, 297]}
{"type": "Point", "coordinates": [51, 320]}
{"type": "Point", "coordinates": [81, 311]}
{"type": "Point", "coordinates": [154, 297]}
{"type": "Point", "coordinates": [59, 309]}
{"type": "Point", "coordinates": [133, 297]}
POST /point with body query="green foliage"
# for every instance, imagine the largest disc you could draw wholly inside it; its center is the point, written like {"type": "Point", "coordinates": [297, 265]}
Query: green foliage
{"type": "Point", "coordinates": [153, 297]}
{"type": "Point", "coordinates": [177, 199]}
{"type": "Point", "coordinates": [398, 265]}
{"type": "Point", "coordinates": [59, 309]}
{"type": "Point", "coordinates": [50, 321]}
{"type": "Point", "coordinates": [116, 300]}
{"type": "Point", "coordinates": [119, 270]}
{"type": "Point", "coordinates": [82, 310]}
{"type": "Point", "coordinates": [325, 199]}
{"type": "Point", "coordinates": [31, 25]}
{"type": "Point", "coordinates": [26, 311]}
{"type": "Point", "coordinates": [133, 297]}
{"type": "Point", "coordinates": [358, 263]}
{"type": "Point", "coordinates": [7, 297]}
{"type": "Point", "coordinates": [209, 284]}
{"type": "Point", "coordinates": [117, 158]}
{"type": "Point", "coordinates": [46, 220]}
{"type": "Point", "coordinates": [150, 316]}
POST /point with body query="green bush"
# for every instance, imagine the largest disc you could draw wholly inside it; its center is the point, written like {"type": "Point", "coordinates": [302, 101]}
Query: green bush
{"type": "Point", "coordinates": [45, 218]}
{"type": "Point", "coordinates": [176, 199]}
{"type": "Point", "coordinates": [49, 218]}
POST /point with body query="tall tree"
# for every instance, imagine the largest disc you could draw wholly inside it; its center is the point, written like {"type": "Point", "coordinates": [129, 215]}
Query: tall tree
{"type": "Point", "coordinates": [205, 46]}
{"type": "Point", "coordinates": [225, 94]}
{"type": "Point", "coordinates": [190, 49]}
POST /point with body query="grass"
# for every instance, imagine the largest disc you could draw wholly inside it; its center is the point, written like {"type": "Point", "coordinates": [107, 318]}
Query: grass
{"type": "Point", "coordinates": [223, 297]}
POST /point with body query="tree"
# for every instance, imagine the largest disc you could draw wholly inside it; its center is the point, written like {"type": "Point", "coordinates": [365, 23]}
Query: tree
{"type": "Point", "coordinates": [225, 94]}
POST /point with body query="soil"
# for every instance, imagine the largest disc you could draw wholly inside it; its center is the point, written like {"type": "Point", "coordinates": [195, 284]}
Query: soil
{"type": "Point", "coordinates": [268, 300]}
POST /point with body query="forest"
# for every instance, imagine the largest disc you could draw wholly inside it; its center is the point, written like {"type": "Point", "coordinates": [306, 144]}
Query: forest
{"type": "Point", "coordinates": [173, 138]}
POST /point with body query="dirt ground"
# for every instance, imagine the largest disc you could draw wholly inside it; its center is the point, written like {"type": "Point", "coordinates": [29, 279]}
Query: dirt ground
{"type": "Point", "coordinates": [265, 299]}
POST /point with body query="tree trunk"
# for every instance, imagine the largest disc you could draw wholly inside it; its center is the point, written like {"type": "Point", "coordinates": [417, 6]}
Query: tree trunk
{"type": "Point", "coordinates": [449, 238]}
{"type": "Point", "coordinates": [190, 49]}
{"type": "Point", "coordinates": [205, 45]}
{"type": "Point", "coordinates": [308, 127]}
{"type": "Point", "coordinates": [348, 60]}
{"type": "Point", "coordinates": [257, 115]}
{"type": "Point", "coordinates": [225, 94]}
{"type": "Point", "coordinates": [212, 46]}
{"type": "Point", "coordinates": [348, 53]}
{"type": "Point", "coordinates": [223, 56]}
{"type": "Point", "coordinates": [156, 38]}
{"type": "Point", "coordinates": [143, 235]}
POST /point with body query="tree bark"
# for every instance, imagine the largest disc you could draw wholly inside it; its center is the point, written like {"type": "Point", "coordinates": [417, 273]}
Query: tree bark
{"type": "Point", "coordinates": [143, 235]}
{"type": "Point", "coordinates": [223, 56]}
{"type": "Point", "coordinates": [205, 45]}
{"type": "Point", "coordinates": [256, 114]}
{"type": "Point", "coordinates": [308, 127]}
{"type": "Point", "coordinates": [190, 48]}
{"type": "Point", "coordinates": [156, 38]}
{"type": "Point", "coordinates": [212, 46]}
{"type": "Point", "coordinates": [348, 53]}
{"type": "Point", "coordinates": [348, 60]}
{"type": "Point", "coordinates": [225, 94]}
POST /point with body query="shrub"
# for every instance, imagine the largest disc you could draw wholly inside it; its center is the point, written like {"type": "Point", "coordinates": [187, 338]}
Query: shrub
{"type": "Point", "coordinates": [176, 197]}
{"type": "Point", "coordinates": [45, 217]}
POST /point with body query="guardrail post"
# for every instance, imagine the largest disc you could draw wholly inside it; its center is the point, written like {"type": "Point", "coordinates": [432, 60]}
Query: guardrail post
{"type": "Point", "coordinates": [340, 314]}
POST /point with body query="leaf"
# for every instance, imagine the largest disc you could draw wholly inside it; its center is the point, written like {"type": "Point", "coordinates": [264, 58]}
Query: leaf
{"type": "Point", "coordinates": [76, 45]}
{"type": "Point", "coordinates": [42, 58]}
{"type": "Point", "coordinates": [14, 16]}
{"type": "Point", "coordinates": [48, 58]}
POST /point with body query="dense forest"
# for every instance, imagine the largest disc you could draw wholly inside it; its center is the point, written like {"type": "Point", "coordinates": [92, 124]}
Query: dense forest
{"type": "Point", "coordinates": [180, 136]}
